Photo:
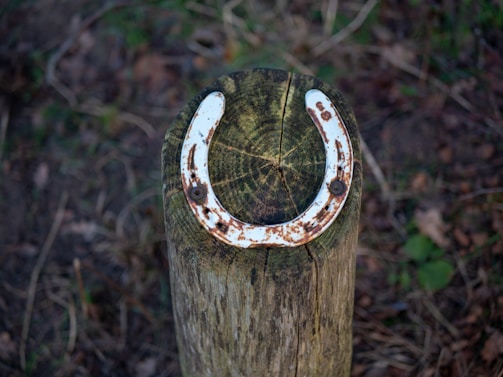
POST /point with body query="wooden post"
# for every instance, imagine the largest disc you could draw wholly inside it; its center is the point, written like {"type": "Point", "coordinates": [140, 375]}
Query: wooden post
{"type": "Point", "coordinates": [271, 307]}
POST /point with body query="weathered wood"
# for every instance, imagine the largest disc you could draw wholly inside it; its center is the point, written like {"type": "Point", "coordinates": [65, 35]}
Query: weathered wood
{"type": "Point", "coordinates": [262, 311]}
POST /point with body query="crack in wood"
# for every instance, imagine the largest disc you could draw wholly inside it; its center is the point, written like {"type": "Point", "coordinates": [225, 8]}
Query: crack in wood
{"type": "Point", "coordinates": [317, 310]}
{"type": "Point", "coordinates": [266, 260]}
{"type": "Point", "coordinates": [283, 118]}
{"type": "Point", "coordinates": [297, 351]}
{"type": "Point", "coordinates": [280, 167]}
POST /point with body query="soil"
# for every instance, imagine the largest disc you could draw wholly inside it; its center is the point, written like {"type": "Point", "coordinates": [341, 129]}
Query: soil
{"type": "Point", "coordinates": [87, 92]}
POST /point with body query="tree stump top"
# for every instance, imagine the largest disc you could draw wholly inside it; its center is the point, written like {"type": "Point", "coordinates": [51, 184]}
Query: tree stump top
{"type": "Point", "coordinates": [267, 159]}
{"type": "Point", "coordinates": [262, 164]}
{"type": "Point", "coordinates": [265, 150]}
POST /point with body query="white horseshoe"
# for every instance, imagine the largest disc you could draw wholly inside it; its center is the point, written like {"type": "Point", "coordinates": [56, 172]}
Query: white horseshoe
{"type": "Point", "coordinates": [309, 224]}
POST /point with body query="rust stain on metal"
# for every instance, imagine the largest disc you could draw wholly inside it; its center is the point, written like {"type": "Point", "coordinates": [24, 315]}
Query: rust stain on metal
{"type": "Point", "coordinates": [326, 115]}
{"type": "Point", "coordinates": [308, 225]}
{"type": "Point", "coordinates": [191, 158]}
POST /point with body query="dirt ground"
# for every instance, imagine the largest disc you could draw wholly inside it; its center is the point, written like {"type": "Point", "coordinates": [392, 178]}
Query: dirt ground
{"type": "Point", "coordinates": [87, 91]}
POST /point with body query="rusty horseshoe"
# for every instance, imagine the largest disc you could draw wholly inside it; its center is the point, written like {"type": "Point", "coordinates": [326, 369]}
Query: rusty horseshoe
{"type": "Point", "coordinates": [320, 214]}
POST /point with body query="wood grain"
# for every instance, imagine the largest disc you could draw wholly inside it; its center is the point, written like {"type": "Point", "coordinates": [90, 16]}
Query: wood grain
{"type": "Point", "coordinates": [263, 311]}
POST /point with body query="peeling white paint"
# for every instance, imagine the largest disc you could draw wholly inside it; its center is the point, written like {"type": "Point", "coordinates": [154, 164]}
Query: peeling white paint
{"type": "Point", "coordinates": [308, 225]}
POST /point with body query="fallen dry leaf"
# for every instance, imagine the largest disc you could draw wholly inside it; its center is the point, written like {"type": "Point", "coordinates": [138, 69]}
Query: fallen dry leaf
{"type": "Point", "coordinates": [378, 369]}
{"type": "Point", "coordinates": [497, 248]}
{"type": "Point", "coordinates": [358, 370]}
{"type": "Point", "coordinates": [372, 264]}
{"type": "Point", "coordinates": [459, 345]}
{"type": "Point", "coordinates": [461, 237]}
{"type": "Point", "coordinates": [41, 176]}
{"type": "Point", "coordinates": [419, 182]}
{"type": "Point", "coordinates": [446, 154]}
{"type": "Point", "coordinates": [399, 54]}
{"type": "Point", "coordinates": [479, 238]}
{"type": "Point", "coordinates": [86, 229]}
{"type": "Point", "coordinates": [493, 347]}
{"type": "Point", "coordinates": [486, 151]}
{"type": "Point", "coordinates": [7, 346]}
{"type": "Point", "coordinates": [430, 223]}
{"type": "Point", "coordinates": [150, 70]}
{"type": "Point", "coordinates": [146, 368]}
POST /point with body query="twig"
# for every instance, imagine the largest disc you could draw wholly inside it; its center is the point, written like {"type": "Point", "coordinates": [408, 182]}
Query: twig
{"type": "Point", "coordinates": [379, 332]}
{"type": "Point", "coordinates": [98, 110]}
{"type": "Point", "coordinates": [296, 63]}
{"type": "Point", "coordinates": [410, 69]}
{"type": "Point", "coordinates": [230, 19]}
{"type": "Point", "coordinates": [201, 8]}
{"type": "Point", "coordinates": [50, 75]}
{"type": "Point", "coordinates": [456, 96]}
{"type": "Point", "coordinates": [121, 217]}
{"type": "Point", "coordinates": [376, 169]}
{"type": "Point", "coordinates": [114, 154]}
{"type": "Point", "coordinates": [80, 284]}
{"type": "Point", "coordinates": [130, 298]}
{"type": "Point", "coordinates": [72, 333]}
{"type": "Point", "coordinates": [486, 191]}
{"type": "Point", "coordinates": [500, 374]}
{"type": "Point", "coordinates": [330, 16]}
{"type": "Point", "coordinates": [68, 95]}
{"type": "Point", "coordinates": [494, 125]}
{"type": "Point", "coordinates": [469, 284]}
{"type": "Point", "coordinates": [122, 324]}
{"type": "Point", "coordinates": [440, 358]}
{"type": "Point", "coordinates": [3, 126]}
{"type": "Point", "coordinates": [37, 269]}
{"type": "Point", "coordinates": [347, 31]}
{"type": "Point", "coordinates": [72, 314]}
{"type": "Point", "coordinates": [440, 318]}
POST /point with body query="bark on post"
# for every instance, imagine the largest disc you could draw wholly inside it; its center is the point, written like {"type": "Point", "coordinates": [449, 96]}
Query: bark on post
{"type": "Point", "coordinates": [267, 310]}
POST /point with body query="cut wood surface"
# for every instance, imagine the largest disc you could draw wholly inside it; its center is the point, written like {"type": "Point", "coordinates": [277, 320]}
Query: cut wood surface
{"type": "Point", "coordinates": [262, 311]}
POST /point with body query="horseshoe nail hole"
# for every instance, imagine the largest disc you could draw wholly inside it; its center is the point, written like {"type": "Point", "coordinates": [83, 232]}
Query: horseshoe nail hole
{"type": "Point", "coordinates": [222, 227]}
{"type": "Point", "coordinates": [192, 176]}
{"type": "Point", "coordinates": [207, 210]}
{"type": "Point", "coordinates": [326, 208]}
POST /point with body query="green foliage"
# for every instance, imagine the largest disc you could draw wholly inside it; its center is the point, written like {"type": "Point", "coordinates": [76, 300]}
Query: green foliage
{"type": "Point", "coordinates": [409, 90]}
{"type": "Point", "coordinates": [12, 5]}
{"type": "Point", "coordinates": [129, 22]}
{"type": "Point", "coordinates": [31, 362]}
{"type": "Point", "coordinates": [37, 68]}
{"type": "Point", "coordinates": [451, 29]}
{"type": "Point", "coordinates": [246, 57]}
{"type": "Point", "coordinates": [490, 14]}
{"type": "Point", "coordinates": [108, 117]}
{"type": "Point", "coordinates": [402, 278]}
{"type": "Point", "coordinates": [420, 248]}
{"type": "Point", "coordinates": [327, 72]}
{"type": "Point", "coordinates": [434, 275]}
{"type": "Point", "coordinates": [433, 271]}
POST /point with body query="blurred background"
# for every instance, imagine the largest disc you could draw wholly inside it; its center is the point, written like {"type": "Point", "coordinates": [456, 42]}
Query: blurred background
{"type": "Point", "coordinates": [87, 92]}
